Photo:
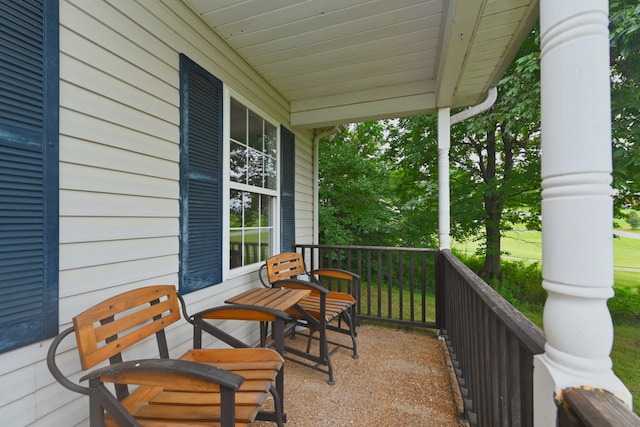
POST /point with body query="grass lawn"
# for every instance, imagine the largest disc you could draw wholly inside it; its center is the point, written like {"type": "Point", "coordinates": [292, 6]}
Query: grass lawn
{"type": "Point", "coordinates": [626, 348]}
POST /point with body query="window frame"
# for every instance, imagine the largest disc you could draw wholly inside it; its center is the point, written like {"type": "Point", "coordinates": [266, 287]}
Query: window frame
{"type": "Point", "coordinates": [228, 272]}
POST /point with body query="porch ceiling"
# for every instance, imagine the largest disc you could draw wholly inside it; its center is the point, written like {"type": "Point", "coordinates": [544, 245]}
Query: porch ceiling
{"type": "Point", "coordinates": [340, 61]}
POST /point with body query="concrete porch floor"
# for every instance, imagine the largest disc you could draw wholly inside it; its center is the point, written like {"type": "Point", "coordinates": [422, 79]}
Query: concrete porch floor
{"type": "Point", "coordinates": [401, 379]}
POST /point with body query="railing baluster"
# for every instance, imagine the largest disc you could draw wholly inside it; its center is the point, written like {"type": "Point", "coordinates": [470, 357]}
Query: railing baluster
{"type": "Point", "coordinates": [390, 255]}
{"type": "Point", "coordinates": [411, 287]}
{"type": "Point", "coordinates": [401, 285]}
{"type": "Point", "coordinates": [423, 288]}
{"type": "Point", "coordinates": [369, 281]}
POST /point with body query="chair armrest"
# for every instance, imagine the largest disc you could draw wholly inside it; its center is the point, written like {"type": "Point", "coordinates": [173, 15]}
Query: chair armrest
{"type": "Point", "coordinates": [344, 296]}
{"type": "Point", "coordinates": [337, 273]}
{"type": "Point", "coordinates": [181, 374]}
{"type": "Point", "coordinates": [314, 287]}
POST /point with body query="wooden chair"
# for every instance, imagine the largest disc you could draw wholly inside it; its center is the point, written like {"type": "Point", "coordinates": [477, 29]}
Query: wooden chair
{"type": "Point", "coordinates": [215, 387]}
{"type": "Point", "coordinates": [321, 311]}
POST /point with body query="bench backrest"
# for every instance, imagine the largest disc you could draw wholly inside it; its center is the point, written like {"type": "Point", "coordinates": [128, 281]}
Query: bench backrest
{"type": "Point", "coordinates": [286, 265]}
{"type": "Point", "coordinates": [108, 328]}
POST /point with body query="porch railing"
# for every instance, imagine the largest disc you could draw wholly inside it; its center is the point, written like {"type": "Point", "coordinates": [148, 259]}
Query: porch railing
{"type": "Point", "coordinates": [491, 344]}
{"type": "Point", "coordinates": [397, 284]}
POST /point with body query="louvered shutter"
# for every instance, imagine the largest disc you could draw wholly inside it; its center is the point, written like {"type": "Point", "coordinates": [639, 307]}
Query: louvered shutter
{"type": "Point", "coordinates": [28, 172]}
{"type": "Point", "coordinates": [287, 189]}
{"type": "Point", "coordinates": [200, 177]}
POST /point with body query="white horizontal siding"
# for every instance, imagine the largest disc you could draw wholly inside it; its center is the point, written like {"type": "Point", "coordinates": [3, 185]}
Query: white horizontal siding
{"type": "Point", "coordinates": [304, 187]}
{"type": "Point", "coordinates": [119, 177]}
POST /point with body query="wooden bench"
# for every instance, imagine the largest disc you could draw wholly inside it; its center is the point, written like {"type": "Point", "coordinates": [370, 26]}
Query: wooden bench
{"type": "Point", "coordinates": [210, 387]}
{"type": "Point", "coordinates": [322, 310]}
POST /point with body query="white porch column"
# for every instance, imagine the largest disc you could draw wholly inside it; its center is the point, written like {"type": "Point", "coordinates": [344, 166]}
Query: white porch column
{"type": "Point", "coordinates": [577, 245]}
{"type": "Point", "coordinates": [444, 213]}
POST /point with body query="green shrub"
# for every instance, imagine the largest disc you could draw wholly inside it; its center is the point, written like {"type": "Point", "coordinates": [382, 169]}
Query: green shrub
{"type": "Point", "coordinates": [520, 284]}
{"type": "Point", "coordinates": [625, 306]}
{"type": "Point", "coordinates": [633, 219]}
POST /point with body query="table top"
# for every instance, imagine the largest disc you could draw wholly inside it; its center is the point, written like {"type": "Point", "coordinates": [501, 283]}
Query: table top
{"type": "Point", "coordinates": [275, 298]}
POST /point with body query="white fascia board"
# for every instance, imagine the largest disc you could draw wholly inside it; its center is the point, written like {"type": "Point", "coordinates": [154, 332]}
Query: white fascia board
{"type": "Point", "coordinates": [363, 111]}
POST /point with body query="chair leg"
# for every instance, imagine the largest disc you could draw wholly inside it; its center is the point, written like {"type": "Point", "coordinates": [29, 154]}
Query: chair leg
{"type": "Point", "coordinates": [352, 331]}
{"type": "Point", "coordinates": [325, 355]}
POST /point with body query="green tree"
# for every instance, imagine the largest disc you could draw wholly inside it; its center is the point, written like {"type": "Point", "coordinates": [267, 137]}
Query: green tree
{"type": "Point", "coordinates": [354, 189]}
{"type": "Point", "coordinates": [625, 99]}
{"type": "Point", "coordinates": [494, 162]}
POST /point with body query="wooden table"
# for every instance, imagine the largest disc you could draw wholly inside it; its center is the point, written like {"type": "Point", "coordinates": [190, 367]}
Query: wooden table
{"type": "Point", "coordinates": [276, 299]}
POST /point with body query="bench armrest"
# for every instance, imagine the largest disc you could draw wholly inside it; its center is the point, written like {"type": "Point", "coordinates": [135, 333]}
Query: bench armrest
{"type": "Point", "coordinates": [181, 374]}
{"type": "Point", "coordinates": [55, 370]}
{"type": "Point", "coordinates": [241, 312]}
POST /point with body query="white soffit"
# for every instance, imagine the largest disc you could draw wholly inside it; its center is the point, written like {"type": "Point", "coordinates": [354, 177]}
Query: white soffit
{"type": "Point", "coordinates": [339, 61]}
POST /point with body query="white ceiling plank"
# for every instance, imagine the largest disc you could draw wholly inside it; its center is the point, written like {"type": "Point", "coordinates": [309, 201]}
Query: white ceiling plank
{"type": "Point", "coordinates": [404, 43]}
{"type": "Point", "coordinates": [333, 57]}
{"type": "Point", "coordinates": [317, 42]}
{"type": "Point", "coordinates": [324, 26]}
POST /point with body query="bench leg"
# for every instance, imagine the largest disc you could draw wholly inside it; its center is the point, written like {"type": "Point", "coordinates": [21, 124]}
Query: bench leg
{"type": "Point", "coordinates": [278, 416]}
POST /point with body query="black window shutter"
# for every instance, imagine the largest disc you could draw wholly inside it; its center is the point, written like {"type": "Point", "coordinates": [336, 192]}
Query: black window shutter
{"type": "Point", "coordinates": [287, 189]}
{"type": "Point", "coordinates": [28, 172]}
{"type": "Point", "coordinates": [200, 177]}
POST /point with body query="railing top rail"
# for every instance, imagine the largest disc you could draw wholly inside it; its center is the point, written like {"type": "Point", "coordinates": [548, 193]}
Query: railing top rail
{"type": "Point", "coordinates": [530, 335]}
{"type": "Point", "coordinates": [369, 248]}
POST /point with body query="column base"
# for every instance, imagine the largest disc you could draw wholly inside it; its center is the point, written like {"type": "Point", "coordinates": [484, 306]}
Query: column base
{"type": "Point", "coordinates": [549, 378]}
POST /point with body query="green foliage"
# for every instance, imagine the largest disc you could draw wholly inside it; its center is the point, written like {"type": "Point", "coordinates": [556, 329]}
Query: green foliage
{"type": "Point", "coordinates": [520, 283]}
{"type": "Point", "coordinates": [633, 219]}
{"type": "Point", "coordinates": [521, 286]}
{"type": "Point", "coordinates": [625, 306]}
{"type": "Point", "coordinates": [625, 99]}
{"type": "Point", "coordinates": [625, 360]}
{"type": "Point", "coordinates": [354, 188]}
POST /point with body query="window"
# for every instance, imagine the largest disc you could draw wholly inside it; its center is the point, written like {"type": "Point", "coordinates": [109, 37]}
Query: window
{"type": "Point", "coordinates": [28, 172]}
{"type": "Point", "coordinates": [252, 185]}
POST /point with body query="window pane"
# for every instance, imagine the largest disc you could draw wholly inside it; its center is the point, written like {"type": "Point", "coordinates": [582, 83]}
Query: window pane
{"type": "Point", "coordinates": [265, 210]}
{"type": "Point", "coordinates": [255, 131]}
{"type": "Point", "coordinates": [270, 173]}
{"type": "Point", "coordinates": [235, 209]}
{"type": "Point", "coordinates": [236, 199]}
{"type": "Point", "coordinates": [252, 246]}
{"type": "Point", "coordinates": [270, 139]}
{"type": "Point", "coordinates": [238, 163]}
{"type": "Point", "coordinates": [252, 210]}
{"type": "Point", "coordinates": [256, 168]}
{"type": "Point", "coordinates": [238, 121]}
